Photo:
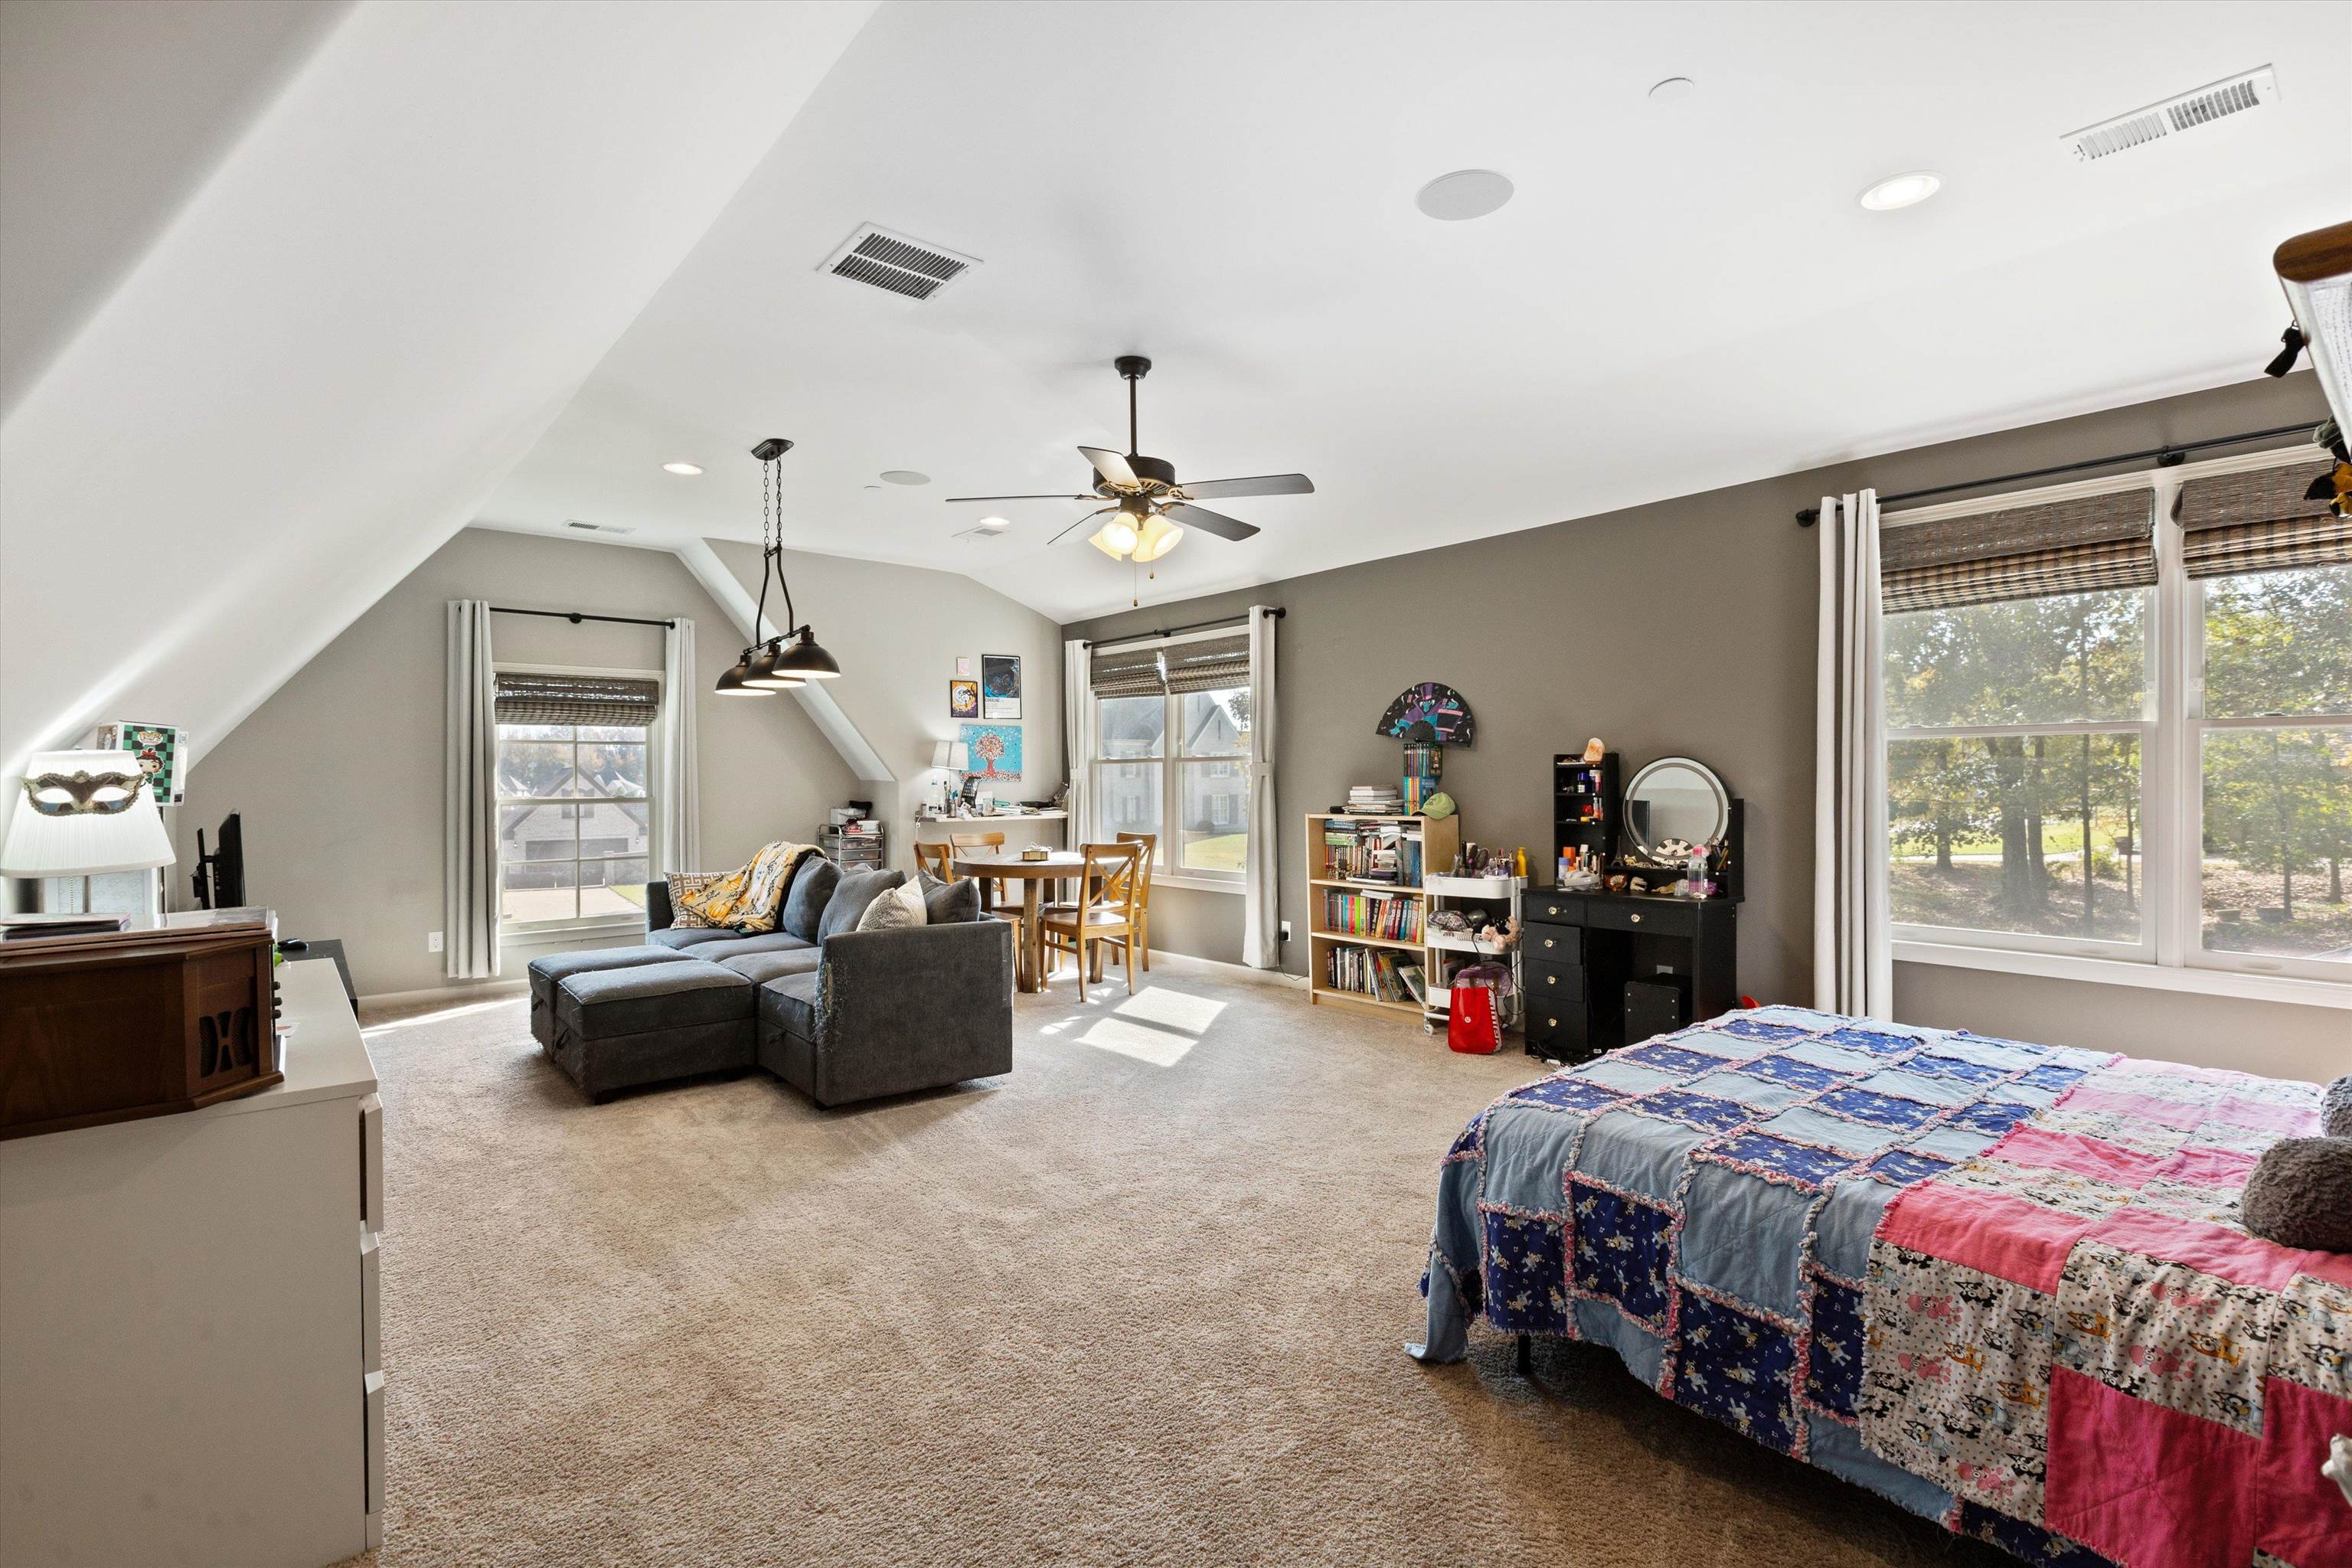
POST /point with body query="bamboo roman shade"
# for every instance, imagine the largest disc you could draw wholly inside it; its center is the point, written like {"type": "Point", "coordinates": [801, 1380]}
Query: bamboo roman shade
{"type": "Point", "coordinates": [577, 699]}
{"type": "Point", "coordinates": [2259, 522]}
{"type": "Point", "coordinates": [1146, 670]}
{"type": "Point", "coordinates": [2074, 546]}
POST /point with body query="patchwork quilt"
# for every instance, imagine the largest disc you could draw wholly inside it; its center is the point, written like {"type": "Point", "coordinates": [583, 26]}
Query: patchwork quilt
{"type": "Point", "coordinates": [2000, 1283]}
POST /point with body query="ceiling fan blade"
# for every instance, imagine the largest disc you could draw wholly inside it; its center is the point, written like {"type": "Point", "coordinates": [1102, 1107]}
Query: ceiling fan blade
{"type": "Point", "coordinates": [1111, 466]}
{"type": "Point", "coordinates": [1214, 523]}
{"type": "Point", "coordinates": [1263, 485]}
{"type": "Point", "coordinates": [952, 499]}
{"type": "Point", "coordinates": [1079, 524]}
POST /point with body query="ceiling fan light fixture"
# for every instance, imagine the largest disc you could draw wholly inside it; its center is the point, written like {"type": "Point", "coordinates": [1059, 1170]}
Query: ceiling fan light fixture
{"type": "Point", "coordinates": [1116, 538]}
{"type": "Point", "coordinates": [1156, 539]}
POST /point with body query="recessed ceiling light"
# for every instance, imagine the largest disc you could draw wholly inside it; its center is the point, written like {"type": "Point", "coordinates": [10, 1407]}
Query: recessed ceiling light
{"type": "Point", "coordinates": [996, 523]}
{"type": "Point", "coordinates": [906, 477]}
{"type": "Point", "coordinates": [1673, 89]}
{"type": "Point", "coordinates": [1901, 191]}
{"type": "Point", "coordinates": [1464, 193]}
{"type": "Point", "coordinates": [681, 468]}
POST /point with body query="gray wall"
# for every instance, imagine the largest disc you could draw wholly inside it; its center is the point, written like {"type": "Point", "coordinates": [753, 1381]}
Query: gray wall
{"type": "Point", "coordinates": [898, 631]}
{"type": "Point", "coordinates": [1579, 628]}
{"type": "Point", "coordinates": [339, 775]}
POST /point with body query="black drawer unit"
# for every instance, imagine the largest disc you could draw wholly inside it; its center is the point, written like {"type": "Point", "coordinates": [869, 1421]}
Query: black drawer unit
{"type": "Point", "coordinates": [1605, 969]}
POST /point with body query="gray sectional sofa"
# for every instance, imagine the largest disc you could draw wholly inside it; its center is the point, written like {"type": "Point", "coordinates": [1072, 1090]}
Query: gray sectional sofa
{"type": "Point", "coordinates": [839, 1013]}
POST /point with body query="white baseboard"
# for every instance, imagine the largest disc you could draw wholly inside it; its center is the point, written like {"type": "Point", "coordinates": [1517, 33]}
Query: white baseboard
{"type": "Point", "coordinates": [472, 991]}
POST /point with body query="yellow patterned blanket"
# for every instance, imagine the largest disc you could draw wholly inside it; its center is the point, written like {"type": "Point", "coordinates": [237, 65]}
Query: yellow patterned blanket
{"type": "Point", "coordinates": [751, 897]}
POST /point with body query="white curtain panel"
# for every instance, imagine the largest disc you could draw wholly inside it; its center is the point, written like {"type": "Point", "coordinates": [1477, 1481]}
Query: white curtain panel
{"type": "Point", "coordinates": [677, 795]}
{"type": "Point", "coordinates": [1079, 736]}
{"type": "Point", "coordinates": [1262, 871]}
{"type": "Point", "coordinates": [1853, 963]}
{"type": "Point", "coordinates": [469, 872]}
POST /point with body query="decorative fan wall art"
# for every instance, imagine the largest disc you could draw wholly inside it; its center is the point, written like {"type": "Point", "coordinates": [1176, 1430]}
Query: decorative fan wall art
{"type": "Point", "coordinates": [1430, 712]}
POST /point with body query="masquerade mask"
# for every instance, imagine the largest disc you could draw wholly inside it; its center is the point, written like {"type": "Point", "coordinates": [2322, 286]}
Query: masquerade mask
{"type": "Point", "coordinates": [79, 794]}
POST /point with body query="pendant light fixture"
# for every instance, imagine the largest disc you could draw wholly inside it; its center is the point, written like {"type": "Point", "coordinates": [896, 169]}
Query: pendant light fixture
{"type": "Point", "coordinates": [795, 657]}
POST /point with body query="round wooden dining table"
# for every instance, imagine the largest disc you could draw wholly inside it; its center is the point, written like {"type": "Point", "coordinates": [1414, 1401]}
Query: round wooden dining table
{"type": "Point", "coordinates": [1058, 866]}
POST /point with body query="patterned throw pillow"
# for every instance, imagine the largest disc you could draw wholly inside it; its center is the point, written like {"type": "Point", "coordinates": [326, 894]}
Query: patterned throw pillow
{"type": "Point", "coordinates": [748, 898]}
{"type": "Point", "coordinates": [682, 915]}
{"type": "Point", "coordinates": [900, 909]}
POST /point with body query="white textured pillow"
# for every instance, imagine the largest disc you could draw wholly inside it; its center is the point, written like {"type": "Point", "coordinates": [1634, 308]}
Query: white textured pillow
{"type": "Point", "coordinates": [898, 909]}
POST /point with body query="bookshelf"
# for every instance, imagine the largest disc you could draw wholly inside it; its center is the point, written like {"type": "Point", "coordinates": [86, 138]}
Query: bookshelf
{"type": "Point", "coordinates": [1364, 921]}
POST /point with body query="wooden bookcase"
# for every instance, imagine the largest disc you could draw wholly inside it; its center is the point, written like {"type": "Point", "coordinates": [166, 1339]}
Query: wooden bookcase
{"type": "Point", "coordinates": [1439, 839]}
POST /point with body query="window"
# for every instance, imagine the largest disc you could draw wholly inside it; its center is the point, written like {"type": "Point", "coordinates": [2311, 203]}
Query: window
{"type": "Point", "coordinates": [1171, 729]}
{"type": "Point", "coordinates": [573, 803]}
{"type": "Point", "coordinates": [2119, 738]}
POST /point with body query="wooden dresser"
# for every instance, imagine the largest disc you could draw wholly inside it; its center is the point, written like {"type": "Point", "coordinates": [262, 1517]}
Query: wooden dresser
{"type": "Point", "coordinates": [190, 1362]}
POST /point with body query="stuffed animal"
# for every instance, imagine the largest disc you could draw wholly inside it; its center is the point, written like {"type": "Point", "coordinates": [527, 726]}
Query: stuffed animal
{"type": "Point", "coordinates": [1501, 939]}
{"type": "Point", "coordinates": [2335, 1109]}
{"type": "Point", "coordinates": [2300, 1195]}
{"type": "Point", "coordinates": [2338, 1468]}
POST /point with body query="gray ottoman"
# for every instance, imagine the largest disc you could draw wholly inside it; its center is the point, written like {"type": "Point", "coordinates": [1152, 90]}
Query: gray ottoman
{"type": "Point", "coordinates": [548, 972]}
{"type": "Point", "coordinates": [644, 1022]}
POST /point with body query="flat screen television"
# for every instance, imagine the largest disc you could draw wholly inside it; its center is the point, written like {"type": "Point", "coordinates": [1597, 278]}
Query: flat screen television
{"type": "Point", "coordinates": [220, 874]}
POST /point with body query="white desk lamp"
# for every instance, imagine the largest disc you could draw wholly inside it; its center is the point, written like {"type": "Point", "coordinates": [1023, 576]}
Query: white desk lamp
{"type": "Point", "coordinates": [954, 757]}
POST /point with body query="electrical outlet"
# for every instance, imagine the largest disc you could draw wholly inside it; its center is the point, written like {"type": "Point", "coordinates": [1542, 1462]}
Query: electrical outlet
{"type": "Point", "coordinates": [433, 942]}
{"type": "Point", "coordinates": [1285, 930]}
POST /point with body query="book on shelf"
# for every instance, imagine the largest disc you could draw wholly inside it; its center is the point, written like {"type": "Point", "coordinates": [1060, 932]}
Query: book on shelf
{"type": "Point", "coordinates": [1373, 912]}
{"type": "Point", "coordinates": [1371, 852]}
{"type": "Point", "coordinates": [1370, 972]}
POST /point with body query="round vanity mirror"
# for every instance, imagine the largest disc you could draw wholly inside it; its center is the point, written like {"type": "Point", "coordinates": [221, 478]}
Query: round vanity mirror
{"type": "Point", "coordinates": [1675, 797]}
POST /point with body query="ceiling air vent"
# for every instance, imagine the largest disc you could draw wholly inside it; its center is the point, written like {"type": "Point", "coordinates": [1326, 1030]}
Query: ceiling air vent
{"type": "Point", "coordinates": [981, 535]}
{"type": "Point", "coordinates": [597, 527]}
{"type": "Point", "coordinates": [2187, 112]}
{"type": "Point", "coordinates": [878, 258]}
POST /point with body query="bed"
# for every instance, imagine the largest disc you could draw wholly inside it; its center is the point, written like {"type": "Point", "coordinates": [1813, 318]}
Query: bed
{"type": "Point", "coordinates": [1998, 1283]}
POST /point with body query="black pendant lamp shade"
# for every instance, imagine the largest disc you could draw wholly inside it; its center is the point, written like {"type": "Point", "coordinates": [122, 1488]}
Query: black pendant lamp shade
{"type": "Point", "coordinates": [793, 659]}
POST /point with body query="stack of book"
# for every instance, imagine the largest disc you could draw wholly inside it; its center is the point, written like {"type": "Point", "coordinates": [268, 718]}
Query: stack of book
{"type": "Point", "coordinates": [1371, 914]}
{"type": "Point", "coordinates": [1375, 800]}
{"type": "Point", "coordinates": [27, 928]}
{"type": "Point", "coordinates": [1368, 972]}
{"type": "Point", "coordinates": [1381, 852]}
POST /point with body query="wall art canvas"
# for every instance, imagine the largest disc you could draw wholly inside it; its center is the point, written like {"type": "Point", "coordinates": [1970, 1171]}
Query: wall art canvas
{"type": "Point", "coordinates": [964, 666]}
{"type": "Point", "coordinates": [963, 699]}
{"type": "Point", "coordinates": [995, 749]}
{"type": "Point", "coordinates": [999, 686]}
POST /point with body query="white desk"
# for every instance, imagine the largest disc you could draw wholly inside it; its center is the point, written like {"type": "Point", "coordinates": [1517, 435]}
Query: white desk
{"type": "Point", "coordinates": [190, 1367]}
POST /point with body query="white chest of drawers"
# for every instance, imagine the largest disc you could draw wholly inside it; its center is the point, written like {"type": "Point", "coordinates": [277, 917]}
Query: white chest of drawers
{"type": "Point", "coordinates": [189, 1360]}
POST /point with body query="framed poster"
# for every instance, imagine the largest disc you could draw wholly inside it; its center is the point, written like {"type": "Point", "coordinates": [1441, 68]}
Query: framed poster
{"type": "Point", "coordinates": [999, 686]}
{"type": "Point", "coordinates": [964, 666]}
{"type": "Point", "coordinates": [963, 699]}
{"type": "Point", "coordinates": [159, 747]}
{"type": "Point", "coordinates": [995, 749]}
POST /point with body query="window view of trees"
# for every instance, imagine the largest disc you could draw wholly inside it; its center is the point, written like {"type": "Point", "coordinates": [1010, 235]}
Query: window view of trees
{"type": "Point", "coordinates": [2014, 824]}
{"type": "Point", "coordinates": [2277, 787]}
{"type": "Point", "coordinates": [572, 821]}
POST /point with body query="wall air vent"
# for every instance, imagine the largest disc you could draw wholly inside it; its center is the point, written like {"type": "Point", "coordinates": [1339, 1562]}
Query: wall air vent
{"type": "Point", "coordinates": [574, 522]}
{"type": "Point", "coordinates": [881, 259]}
{"type": "Point", "coordinates": [2187, 112]}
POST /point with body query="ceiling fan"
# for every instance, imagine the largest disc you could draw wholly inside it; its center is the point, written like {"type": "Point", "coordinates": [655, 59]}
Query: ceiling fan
{"type": "Point", "coordinates": [1149, 506]}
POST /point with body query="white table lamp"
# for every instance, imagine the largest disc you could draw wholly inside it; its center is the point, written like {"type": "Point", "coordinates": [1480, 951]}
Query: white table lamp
{"type": "Point", "coordinates": [84, 813]}
{"type": "Point", "coordinates": [953, 756]}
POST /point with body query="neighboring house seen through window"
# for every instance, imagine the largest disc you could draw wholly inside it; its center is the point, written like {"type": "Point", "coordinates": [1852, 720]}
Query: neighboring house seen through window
{"type": "Point", "coordinates": [573, 807]}
{"type": "Point", "coordinates": [1173, 760]}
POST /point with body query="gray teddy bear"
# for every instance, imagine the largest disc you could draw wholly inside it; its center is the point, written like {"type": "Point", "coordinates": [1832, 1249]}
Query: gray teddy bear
{"type": "Point", "coordinates": [2300, 1194]}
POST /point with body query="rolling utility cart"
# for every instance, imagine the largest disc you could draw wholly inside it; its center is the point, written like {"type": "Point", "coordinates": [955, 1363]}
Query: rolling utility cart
{"type": "Point", "coordinates": [1486, 900]}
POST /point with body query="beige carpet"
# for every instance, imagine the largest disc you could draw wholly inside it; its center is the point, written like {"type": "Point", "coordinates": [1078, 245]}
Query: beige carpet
{"type": "Point", "coordinates": [1141, 1302]}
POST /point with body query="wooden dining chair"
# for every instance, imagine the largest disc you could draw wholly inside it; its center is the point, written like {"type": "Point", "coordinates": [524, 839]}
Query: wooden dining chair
{"type": "Point", "coordinates": [939, 860]}
{"type": "Point", "coordinates": [1105, 911]}
{"type": "Point", "coordinates": [1003, 909]}
{"type": "Point", "coordinates": [1151, 842]}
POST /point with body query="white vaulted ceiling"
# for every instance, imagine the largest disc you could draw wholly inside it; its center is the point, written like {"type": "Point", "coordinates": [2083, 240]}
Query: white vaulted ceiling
{"type": "Point", "coordinates": [1677, 298]}
{"type": "Point", "coordinates": [412, 264]}
{"type": "Point", "coordinates": [408, 232]}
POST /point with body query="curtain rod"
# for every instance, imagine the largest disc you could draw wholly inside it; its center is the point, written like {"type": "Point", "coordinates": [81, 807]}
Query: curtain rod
{"type": "Point", "coordinates": [2166, 458]}
{"type": "Point", "coordinates": [1242, 619]}
{"type": "Point", "coordinates": [577, 616]}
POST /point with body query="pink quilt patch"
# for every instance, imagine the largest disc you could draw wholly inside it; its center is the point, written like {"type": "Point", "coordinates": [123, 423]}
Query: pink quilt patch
{"type": "Point", "coordinates": [2302, 1517]}
{"type": "Point", "coordinates": [2286, 1120]}
{"type": "Point", "coordinates": [2014, 1240]}
{"type": "Point", "coordinates": [2145, 1484]}
{"type": "Point", "coordinates": [2208, 1167]}
{"type": "Point", "coordinates": [2209, 1248]}
{"type": "Point", "coordinates": [2173, 1113]}
{"type": "Point", "coordinates": [2029, 1145]}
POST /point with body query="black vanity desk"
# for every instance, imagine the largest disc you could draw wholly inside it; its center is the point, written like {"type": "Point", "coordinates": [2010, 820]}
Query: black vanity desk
{"type": "Point", "coordinates": [1580, 949]}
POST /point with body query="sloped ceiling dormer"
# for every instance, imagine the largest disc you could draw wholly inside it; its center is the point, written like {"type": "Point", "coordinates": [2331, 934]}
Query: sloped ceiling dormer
{"type": "Point", "coordinates": [415, 229]}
